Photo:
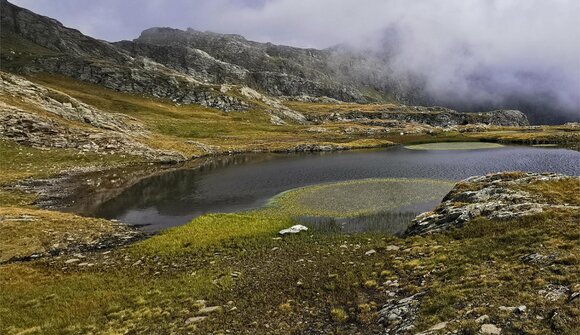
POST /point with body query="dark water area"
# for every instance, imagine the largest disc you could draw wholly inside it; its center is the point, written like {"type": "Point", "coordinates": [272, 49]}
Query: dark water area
{"type": "Point", "coordinates": [232, 184]}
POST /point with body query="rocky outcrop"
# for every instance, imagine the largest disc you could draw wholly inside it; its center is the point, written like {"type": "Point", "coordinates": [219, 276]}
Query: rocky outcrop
{"type": "Point", "coordinates": [45, 45]}
{"type": "Point", "coordinates": [33, 115]}
{"type": "Point", "coordinates": [23, 92]}
{"type": "Point", "coordinates": [42, 132]}
{"type": "Point", "coordinates": [140, 76]}
{"type": "Point", "coordinates": [433, 116]}
{"type": "Point", "coordinates": [495, 196]}
{"type": "Point", "coordinates": [189, 66]}
{"type": "Point", "coordinates": [398, 315]}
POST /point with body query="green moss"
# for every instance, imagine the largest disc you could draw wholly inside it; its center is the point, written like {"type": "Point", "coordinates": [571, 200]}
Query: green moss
{"type": "Point", "coordinates": [454, 146]}
{"type": "Point", "coordinates": [359, 197]}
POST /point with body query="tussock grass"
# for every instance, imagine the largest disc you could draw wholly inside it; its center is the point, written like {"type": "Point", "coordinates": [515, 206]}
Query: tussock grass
{"type": "Point", "coordinates": [565, 191]}
{"type": "Point", "coordinates": [212, 230]}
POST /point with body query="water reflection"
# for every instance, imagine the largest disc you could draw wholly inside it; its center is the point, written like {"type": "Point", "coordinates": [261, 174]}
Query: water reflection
{"type": "Point", "coordinates": [243, 182]}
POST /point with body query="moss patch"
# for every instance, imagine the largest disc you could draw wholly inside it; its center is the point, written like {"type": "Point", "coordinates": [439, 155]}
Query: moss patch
{"type": "Point", "coordinates": [359, 197]}
{"type": "Point", "coordinates": [454, 146]}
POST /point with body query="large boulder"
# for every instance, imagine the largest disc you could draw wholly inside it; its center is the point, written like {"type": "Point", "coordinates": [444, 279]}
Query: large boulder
{"type": "Point", "coordinates": [494, 196]}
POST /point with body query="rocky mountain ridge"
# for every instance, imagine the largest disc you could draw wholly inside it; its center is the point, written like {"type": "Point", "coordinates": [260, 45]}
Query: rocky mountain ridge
{"type": "Point", "coordinates": [190, 67]}
{"type": "Point", "coordinates": [221, 72]}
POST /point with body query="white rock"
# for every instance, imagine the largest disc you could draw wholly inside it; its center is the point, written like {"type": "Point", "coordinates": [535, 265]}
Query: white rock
{"type": "Point", "coordinates": [482, 319]}
{"type": "Point", "coordinates": [490, 329]}
{"type": "Point", "coordinates": [195, 319]}
{"type": "Point", "coordinates": [210, 310]}
{"type": "Point", "coordinates": [370, 252]}
{"type": "Point", "coordinates": [439, 326]}
{"type": "Point", "coordinates": [293, 230]}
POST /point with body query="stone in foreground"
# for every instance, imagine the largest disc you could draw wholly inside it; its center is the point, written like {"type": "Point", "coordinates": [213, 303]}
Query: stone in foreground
{"type": "Point", "coordinates": [293, 230]}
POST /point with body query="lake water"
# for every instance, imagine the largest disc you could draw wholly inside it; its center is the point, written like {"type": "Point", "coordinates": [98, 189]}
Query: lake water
{"type": "Point", "coordinates": [248, 181]}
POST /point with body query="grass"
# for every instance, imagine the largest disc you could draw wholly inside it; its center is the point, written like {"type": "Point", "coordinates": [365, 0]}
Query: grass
{"type": "Point", "coordinates": [282, 286]}
{"type": "Point", "coordinates": [454, 146]}
{"type": "Point", "coordinates": [564, 135]}
{"type": "Point", "coordinates": [21, 162]}
{"type": "Point", "coordinates": [212, 230]}
{"type": "Point", "coordinates": [480, 267]}
{"type": "Point", "coordinates": [359, 197]}
{"type": "Point", "coordinates": [564, 191]}
{"type": "Point", "coordinates": [26, 232]}
{"type": "Point", "coordinates": [173, 125]}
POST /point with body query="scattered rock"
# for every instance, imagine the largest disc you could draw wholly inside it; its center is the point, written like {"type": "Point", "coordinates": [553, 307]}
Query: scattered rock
{"type": "Point", "coordinates": [370, 252]}
{"type": "Point", "coordinates": [537, 258]}
{"type": "Point", "coordinates": [209, 310]}
{"type": "Point", "coordinates": [398, 316]}
{"type": "Point", "coordinates": [490, 329]}
{"type": "Point", "coordinates": [554, 292]}
{"type": "Point", "coordinates": [439, 326]}
{"type": "Point", "coordinates": [482, 319]}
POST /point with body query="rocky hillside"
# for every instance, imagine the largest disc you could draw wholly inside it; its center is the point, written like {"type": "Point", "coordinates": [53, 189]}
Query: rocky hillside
{"type": "Point", "coordinates": [259, 85]}
{"type": "Point", "coordinates": [36, 116]}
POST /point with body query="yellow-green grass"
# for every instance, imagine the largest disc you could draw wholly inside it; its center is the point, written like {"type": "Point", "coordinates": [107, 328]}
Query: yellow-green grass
{"type": "Point", "coordinates": [53, 301]}
{"type": "Point", "coordinates": [481, 267]}
{"type": "Point", "coordinates": [21, 162]}
{"type": "Point", "coordinates": [212, 230]}
{"type": "Point", "coordinates": [173, 124]}
{"type": "Point", "coordinates": [473, 268]}
{"type": "Point", "coordinates": [564, 191]}
{"type": "Point", "coordinates": [25, 232]}
{"type": "Point", "coordinates": [563, 135]}
{"type": "Point", "coordinates": [359, 197]}
{"type": "Point", "coordinates": [454, 146]}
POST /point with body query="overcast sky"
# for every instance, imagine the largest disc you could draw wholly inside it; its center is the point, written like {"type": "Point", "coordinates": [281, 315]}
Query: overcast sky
{"type": "Point", "coordinates": [445, 39]}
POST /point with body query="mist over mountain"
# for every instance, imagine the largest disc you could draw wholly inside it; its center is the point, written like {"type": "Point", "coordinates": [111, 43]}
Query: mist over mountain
{"type": "Point", "coordinates": [472, 55]}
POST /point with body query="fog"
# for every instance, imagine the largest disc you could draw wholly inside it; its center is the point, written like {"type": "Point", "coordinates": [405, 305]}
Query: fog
{"type": "Point", "coordinates": [467, 54]}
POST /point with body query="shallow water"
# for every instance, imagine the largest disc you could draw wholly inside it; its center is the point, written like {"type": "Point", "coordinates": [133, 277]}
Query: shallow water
{"type": "Point", "coordinates": [247, 182]}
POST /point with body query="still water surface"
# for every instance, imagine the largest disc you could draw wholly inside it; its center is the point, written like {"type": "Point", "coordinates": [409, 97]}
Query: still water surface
{"type": "Point", "coordinates": [248, 181]}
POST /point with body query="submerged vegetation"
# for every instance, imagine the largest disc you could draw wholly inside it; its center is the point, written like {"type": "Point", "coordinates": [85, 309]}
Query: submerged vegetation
{"type": "Point", "coordinates": [454, 146]}
{"type": "Point", "coordinates": [360, 197]}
